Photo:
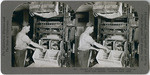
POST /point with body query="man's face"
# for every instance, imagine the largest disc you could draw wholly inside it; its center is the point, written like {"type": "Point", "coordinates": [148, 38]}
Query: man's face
{"type": "Point", "coordinates": [91, 30]}
{"type": "Point", "coordinates": [27, 29]}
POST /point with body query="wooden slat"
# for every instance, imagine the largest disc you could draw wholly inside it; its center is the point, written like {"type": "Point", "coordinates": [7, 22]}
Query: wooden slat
{"type": "Point", "coordinates": [116, 40]}
{"type": "Point", "coordinates": [46, 38]}
{"type": "Point", "coordinates": [49, 22]}
{"type": "Point", "coordinates": [49, 26]}
{"type": "Point", "coordinates": [50, 32]}
{"type": "Point", "coordinates": [113, 33]}
{"type": "Point", "coordinates": [114, 23]}
{"type": "Point", "coordinates": [113, 27]}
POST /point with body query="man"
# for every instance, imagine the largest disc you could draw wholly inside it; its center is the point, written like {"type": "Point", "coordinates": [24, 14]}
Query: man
{"type": "Point", "coordinates": [22, 44]}
{"type": "Point", "coordinates": [86, 42]}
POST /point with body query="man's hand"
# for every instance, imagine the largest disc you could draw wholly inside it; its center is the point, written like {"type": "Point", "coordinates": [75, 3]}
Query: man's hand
{"type": "Point", "coordinates": [106, 50]}
{"type": "Point", "coordinates": [41, 47]}
{"type": "Point", "coordinates": [44, 50]}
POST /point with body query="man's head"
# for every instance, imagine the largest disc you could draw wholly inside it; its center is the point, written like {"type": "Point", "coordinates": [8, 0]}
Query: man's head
{"type": "Point", "coordinates": [89, 29]}
{"type": "Point", "coordinates": [26, 28]}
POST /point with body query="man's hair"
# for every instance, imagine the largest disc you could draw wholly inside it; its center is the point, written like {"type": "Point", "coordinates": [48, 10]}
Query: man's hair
{"type": "Point", "coordinates": [25, 26]}
{"type": "Point", "coordinates": [89, 24]}
{"type": "Point", "coordinates": [28, 25]}
{"type": "Point", "coordinates": [89, 27]}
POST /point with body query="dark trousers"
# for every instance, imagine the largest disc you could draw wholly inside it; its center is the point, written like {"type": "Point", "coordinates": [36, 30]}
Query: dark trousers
{"type": "Point", "coordinates": [83, 57]}
{"type": "Point", "coordinates": [19, 58]}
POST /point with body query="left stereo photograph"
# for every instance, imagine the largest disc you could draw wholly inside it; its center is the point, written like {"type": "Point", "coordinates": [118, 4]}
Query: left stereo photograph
{"type": "Point", "coordinates": [43, 35]}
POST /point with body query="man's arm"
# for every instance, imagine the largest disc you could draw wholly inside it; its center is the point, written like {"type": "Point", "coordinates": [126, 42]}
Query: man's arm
{"type": "Point", "coordinates": [100, 46]}
{"type": "Point", "coordinates": [28, 47]}
{"type": "Point", "coordinates": [105, 50]}
{"type": "Point", "coordinates": [27, 40]}
{"type": "Point", "coordinates": [36, 45]}
{"type": "Point", "coordinates": [91, 41]}
{"type": "Point", "coordinates": [94, 48]}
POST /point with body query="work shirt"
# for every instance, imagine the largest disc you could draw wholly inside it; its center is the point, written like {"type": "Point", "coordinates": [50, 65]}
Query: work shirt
{"type": "Point", "coordinates": [85, 42]}
{"type": "Point", "coordinates": [22, 41]}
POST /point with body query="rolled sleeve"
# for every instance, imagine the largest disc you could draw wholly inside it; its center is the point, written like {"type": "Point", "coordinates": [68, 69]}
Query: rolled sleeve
{"type": "Point", "coordinates": [26, 39]}
{"type": "Point", "coordinates": [90, 40]}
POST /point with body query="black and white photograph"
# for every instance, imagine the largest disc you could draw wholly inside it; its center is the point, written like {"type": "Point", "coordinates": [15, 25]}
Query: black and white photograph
{"type": "Point", "coordinates": [45, 35]}
{"type": "Point", "coordinates": [107, 35]}
{"type": "Point", "coordinates": [97, 34]}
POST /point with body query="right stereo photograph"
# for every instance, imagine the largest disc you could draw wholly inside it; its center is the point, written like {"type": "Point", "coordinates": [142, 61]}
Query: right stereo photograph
{"type": "Point", "coordinates": [106, 35]}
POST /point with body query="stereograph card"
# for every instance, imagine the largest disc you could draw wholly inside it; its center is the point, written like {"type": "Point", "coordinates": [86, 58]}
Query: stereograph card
{"type": "Point", "coordinates": [74, 37]}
